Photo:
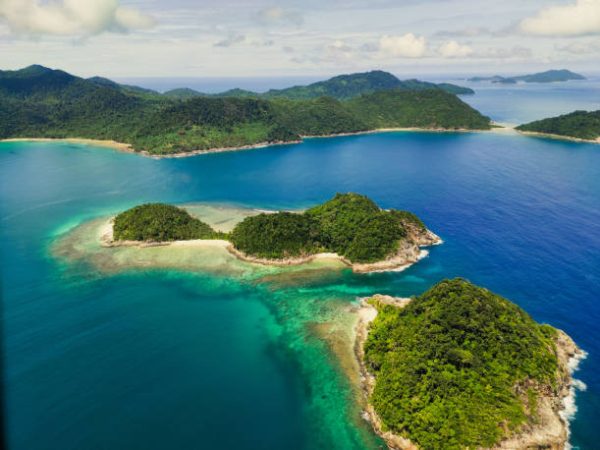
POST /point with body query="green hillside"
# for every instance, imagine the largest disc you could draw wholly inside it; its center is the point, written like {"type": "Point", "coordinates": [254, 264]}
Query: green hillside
{"type": "Point", "coordinates": [459, 367]}
{"type": "Point", "coordinates": [40, 102]}
{"type": "Point", "coordinates": [578, 124]}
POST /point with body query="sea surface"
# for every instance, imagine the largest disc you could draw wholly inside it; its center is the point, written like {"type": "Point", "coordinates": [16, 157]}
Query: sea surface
{"type": "Point", "coordinates": [154, 359]}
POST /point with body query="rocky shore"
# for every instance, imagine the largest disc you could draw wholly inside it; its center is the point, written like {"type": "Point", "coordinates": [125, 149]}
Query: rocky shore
{"type": "Point", "coordinates": [551, 430]}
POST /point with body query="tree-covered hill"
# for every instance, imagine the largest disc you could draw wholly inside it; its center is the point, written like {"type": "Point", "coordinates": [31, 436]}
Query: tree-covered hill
{"type": "Point", "coordinates": [429, 108]}
{"type": "Point", "coordinates": [158, 222]}
{"type": "Point", "coordinates": [343, 87]}
{"type": "Point", "coordinates": [459, 367]}
{"type": "Point", "coordinates": [350, 225]}
{"type": "Point", "coordinates": [40, 102]}
{"type": "Point", "coordinates": [578, 124]}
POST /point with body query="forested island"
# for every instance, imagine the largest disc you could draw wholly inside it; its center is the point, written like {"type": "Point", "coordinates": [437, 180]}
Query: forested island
{"type": "Point", "coordinates": [349, 227]}
{"type": "Point", "coordinates": [580, 125]}
{"type": "Point", "coordinates": [460, 367]}
{"type": "Point", "coordinates": [37, 102]}
{"type": "Point", "coordinates": [341, 87]}
{"type": "Point", "coordinates": [549, 76]}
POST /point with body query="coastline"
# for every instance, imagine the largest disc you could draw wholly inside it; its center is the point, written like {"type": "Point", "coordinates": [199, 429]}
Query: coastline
{"type": "Point", "coordinates": [558, 137]}
{"type": "Point", "coordinates": [128, 148]}
{"type": "Point", "coordinates": [407, 255]}
{"type": "Point", "coordinates": [552, 430]}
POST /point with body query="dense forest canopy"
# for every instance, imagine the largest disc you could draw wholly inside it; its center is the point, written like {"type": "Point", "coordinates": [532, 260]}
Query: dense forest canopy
{"type": "Point", "coordinates": [40, 102]}
{"type": "Point", "coordinates": [459, 367]}
{"type": "Point", "coordinates": [350, 225]}
{"type": "Point", "coordinates": [158, 222]}
{"type": "Point", "coordinates": [578, 124]}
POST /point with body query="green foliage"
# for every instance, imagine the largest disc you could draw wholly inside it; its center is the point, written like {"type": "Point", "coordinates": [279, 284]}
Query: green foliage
{"type": "Point", "coordinates": [344, 87]}
{"type": "Point", "coordinates": [448, 364]}
{"type": "Point", "coordinates": [279, 235]}
{"type": "Point", "coordinates": [578, 124]}
{"type": "Point", "coordinates": [376, 238]}
{"type": "Point", "coordinates": [351, 225]}
{"type": "Point", "coordinates": [408, 219]}
{"type": "Point", "coordinates": [40, 102]}
{"type": "Point", "coordinates": [430, 108]}
{"type": "Point", "coordinates": [317, 117]}
{"type": "Point", "coordinates": [157, 222]}
{"type": "Point", "coordinates": [341, 218]}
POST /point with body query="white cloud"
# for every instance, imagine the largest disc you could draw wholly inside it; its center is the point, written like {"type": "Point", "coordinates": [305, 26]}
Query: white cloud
{"type": "Point", "coordinates": [452, 49]}
{"type": "Point", "coordinates": [71, 17]}
{"type": "Point", "coordinates": [406, 46]}
{"type": "Point", "coordinates": [577, 19]}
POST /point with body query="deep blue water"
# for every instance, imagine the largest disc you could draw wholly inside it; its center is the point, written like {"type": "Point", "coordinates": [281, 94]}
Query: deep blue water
{"type": "Point", "coordinates": [163, 359]}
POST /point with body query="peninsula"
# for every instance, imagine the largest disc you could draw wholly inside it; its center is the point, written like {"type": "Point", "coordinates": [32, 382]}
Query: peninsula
{"type": "Point", "coordinates": [349, 227]}
{"type": "Point", "coordinates": [37, 102]}
{"type": "Point", "coordinates": [460, 367]}
{"type": "Point", "coordinates": [550, 76]}
{"type": "Point", "coordinates": [578, 125]}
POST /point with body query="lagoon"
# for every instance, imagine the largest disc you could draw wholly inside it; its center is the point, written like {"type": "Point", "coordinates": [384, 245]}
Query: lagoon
{"type": "Point", "coordinates": [177, 359]}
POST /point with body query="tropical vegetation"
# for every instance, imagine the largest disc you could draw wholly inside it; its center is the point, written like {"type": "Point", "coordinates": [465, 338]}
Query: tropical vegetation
{"type": "Point", "coordinates": [158, 222]}
{"type": "Point", "coordinates": [578, 124]}
{"type": "Point", "coordinates": [38, 102]}
{"type": "Point", "coordinates": [458, 367]}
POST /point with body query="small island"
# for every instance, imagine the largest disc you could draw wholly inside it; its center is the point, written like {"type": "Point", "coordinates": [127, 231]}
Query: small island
{"type": "Point", "coordinates": [460, 367]}
{"type": "Point", "coordinates": [349, 227]}
{"type": "Point", "coordinates": [578, 126]}
{"type": "Point", "coordinates": [42, 103]}
{"type": "Point", "coordinates": [549, 76]}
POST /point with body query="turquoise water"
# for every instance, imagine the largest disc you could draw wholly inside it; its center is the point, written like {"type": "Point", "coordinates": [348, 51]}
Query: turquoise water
{"type": "Point", "coordinates": [152, 359]}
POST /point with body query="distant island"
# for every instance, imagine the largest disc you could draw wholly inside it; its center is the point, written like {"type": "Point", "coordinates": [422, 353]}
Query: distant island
{"type": "Point", "coordinates": [461, 367]}
{"type": "Point", "coordinates": [37, 102]}
{"type": "Point", "coordinates": [349, 227]}
{"type": "Point", "coordinates": [578, 125]}
{"type": "Point", "coordinates": [341, 87]}
{"type": "Point", "coordinates": [550, 76]}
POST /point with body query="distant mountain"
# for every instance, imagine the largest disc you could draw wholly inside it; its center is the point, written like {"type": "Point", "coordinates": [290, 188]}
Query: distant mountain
{"type": "Point", "coordinates": [550, 76]}
{"type": "Point", "coordinates": [579, 124]}
{"type": "Point", "coordinates": [41, 102]}
{"type": "Point", "coordinates": [125, 87]}
{"type": "Point", "coordinates": [345, 87]}
{"type": "Point", "coordinates": [342, 87]}
{"type": "Point", "coordinates": [183, 93]}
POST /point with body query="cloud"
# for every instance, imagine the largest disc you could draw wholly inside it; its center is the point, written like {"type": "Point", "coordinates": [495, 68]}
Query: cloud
{"type": "Point", "coordinates": [452, 49]}
{"type": "Point", "coordinates": [580, 48]}
{"type": "Point", "coordinates": [71, 17]}
{"type": "Point", "coordinates": [516, 52]}
{"type": "Point", "coordinates": [465, 32]}
{"type": "Point", "coordinates": [577, 19]}
{"type": "Point", "coordinates": [230, 40]}
{"type": "Point", "coordinates": [278, 15]}
{"type": "Point", "coordinates": [405, 46]}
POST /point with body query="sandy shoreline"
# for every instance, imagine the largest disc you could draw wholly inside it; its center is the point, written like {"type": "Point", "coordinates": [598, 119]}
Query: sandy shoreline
{"type": "Point", "coordinates": [128, 148]}
{"type": "Point", "coordinates": [554, 411]}
{"type": "Point", "coordinates": [407, 255]}
{"type": "Point", "coordinates": [558, 137]}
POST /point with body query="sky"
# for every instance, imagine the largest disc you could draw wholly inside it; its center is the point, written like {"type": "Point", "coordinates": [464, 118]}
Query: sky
{"type": "Point", "coordinates": [262, 38]}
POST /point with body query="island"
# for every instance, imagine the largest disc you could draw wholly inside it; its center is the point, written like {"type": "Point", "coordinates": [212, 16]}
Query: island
{"type": "Point", "coordinates": [460, 367]}
{"type": "Point", "coordinates": [350, 228]}
{"type": "Point", "coordinates": [549, 76]}
{"type": "Point", "coordinates": [578, 126]}
{"type": "Point", "coordinates": [41, 103]}
{"type": "Point", "coordinates": [341, 87]}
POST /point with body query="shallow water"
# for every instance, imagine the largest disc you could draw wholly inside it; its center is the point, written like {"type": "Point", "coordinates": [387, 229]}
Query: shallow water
{"type": "Point", "coordinates": [183, 359]}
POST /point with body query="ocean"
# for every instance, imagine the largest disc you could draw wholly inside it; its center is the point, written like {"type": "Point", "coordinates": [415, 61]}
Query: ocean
{"type": "Point", "coordinates": [156, 358]}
